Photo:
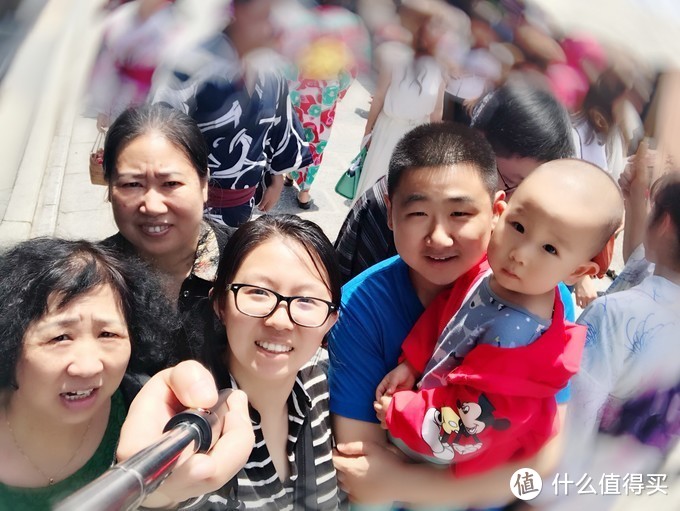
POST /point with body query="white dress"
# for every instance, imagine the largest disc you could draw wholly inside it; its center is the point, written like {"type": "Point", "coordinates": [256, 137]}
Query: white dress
{"type": "Point", "coordinates": [410, 100]}
{"type": "Point", "coordinates": [130, 51]}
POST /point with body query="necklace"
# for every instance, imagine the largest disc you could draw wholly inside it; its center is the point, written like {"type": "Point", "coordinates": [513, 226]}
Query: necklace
{"type": "Point", "coordinates": [50, 480]}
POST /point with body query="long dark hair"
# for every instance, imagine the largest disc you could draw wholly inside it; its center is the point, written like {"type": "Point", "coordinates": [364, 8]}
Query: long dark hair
{"type": "Point", "coordinates": [600, 99]}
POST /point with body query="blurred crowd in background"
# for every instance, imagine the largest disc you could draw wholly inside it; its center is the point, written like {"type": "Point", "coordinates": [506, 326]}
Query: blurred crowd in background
{"type": "Point", "coordinates": [469, 48]}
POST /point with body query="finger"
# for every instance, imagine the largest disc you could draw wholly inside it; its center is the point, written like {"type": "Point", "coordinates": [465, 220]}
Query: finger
{"type": "Point", "coordinates": [642, 150]}
{"type": "Point", "coordinates": [339, 461]}
{"type": "Point", "coordinates": [388, 390]}
{"type": "Point", "coordinates": [265, 205]}
{"type": "Point", "coordinates": [352, 448]}
{"type": "Point", "coordinates": [153, 406]}
{"type": "Point", "coordinates": [238, 404]}
{"type": "Point", "coordinates": [193, 385]}
{"type": "Point", "coordinates": [343, 465]}
{"type": "Point", "coordinates": [189, 479]}
{"type": "Point", "coordinates": [233, 448]}
{"type": "Point", "coordinates": [380, 391]}
{"type": "Point", "coordinates": [340, 477]}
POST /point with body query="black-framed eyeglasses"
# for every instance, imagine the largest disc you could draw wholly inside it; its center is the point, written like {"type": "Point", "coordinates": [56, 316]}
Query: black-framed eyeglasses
{"type": "Point", "coordinates": [260, 302]}
{"type": "Point", "coordinates": [507, 188]}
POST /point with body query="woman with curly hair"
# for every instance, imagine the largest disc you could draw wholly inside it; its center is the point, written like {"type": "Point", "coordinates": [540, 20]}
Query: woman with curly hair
{"type": "Point", "coordinates": [77, 323]}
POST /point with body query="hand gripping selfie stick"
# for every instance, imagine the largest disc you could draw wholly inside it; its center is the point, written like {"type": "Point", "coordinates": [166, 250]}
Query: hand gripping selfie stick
{"type": "Point", "coordinates": [125, 485]}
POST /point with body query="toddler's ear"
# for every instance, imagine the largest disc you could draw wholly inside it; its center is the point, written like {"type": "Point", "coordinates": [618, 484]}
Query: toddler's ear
{"type": "Point", "coordinates": [590, 268]}
{"type": "Point", "coordinates": [499, 206]}
{"type": "Point", "coordinates": [604, 257]}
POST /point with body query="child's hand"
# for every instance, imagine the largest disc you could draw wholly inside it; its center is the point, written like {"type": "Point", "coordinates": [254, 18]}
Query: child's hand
{"type": "Point", "coordinates": [402, 377]}
{"type": "Point", "coordinates": [380, 406]}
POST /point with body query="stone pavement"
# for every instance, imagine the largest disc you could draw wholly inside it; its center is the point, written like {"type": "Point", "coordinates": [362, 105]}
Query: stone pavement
{"type": "Point", "coordinates": [76, 208]}
{"type": "Point", "coordinates": [83, 210]}
{"type": "Point", "coordinates": [37, 106]}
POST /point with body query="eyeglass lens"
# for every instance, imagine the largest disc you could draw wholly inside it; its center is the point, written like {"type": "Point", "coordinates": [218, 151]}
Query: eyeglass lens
{"type": "Point", "coordinates": [255, 301]}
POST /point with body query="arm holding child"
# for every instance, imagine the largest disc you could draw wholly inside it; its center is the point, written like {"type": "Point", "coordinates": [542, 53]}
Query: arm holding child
{"type": "Point", "coordinates": [362, 467]}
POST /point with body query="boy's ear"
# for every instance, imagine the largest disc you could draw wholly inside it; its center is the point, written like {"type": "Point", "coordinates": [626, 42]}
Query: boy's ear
{"type": "Point", "coordinates": [591, 268]}
{"type": "Point", "coordinates": [388, 204]}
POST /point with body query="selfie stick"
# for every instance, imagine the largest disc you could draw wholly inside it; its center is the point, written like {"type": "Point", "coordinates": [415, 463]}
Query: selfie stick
{"type": "Point", "coordinates": [124, 486]}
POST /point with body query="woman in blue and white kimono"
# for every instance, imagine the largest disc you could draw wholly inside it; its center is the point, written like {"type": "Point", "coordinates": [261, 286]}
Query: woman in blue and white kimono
{"type": "Point", "coordinates": [244, 113]}
{"type": "Point", "coordinates": [623, 417]}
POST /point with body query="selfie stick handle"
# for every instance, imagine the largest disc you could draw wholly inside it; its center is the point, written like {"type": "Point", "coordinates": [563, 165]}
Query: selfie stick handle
{"type": "Point", "coordinates": [126, 485]}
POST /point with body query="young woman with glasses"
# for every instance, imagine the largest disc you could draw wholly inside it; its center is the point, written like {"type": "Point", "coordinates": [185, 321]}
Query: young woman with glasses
{"type": "Point", "coordinates": [276, 294]}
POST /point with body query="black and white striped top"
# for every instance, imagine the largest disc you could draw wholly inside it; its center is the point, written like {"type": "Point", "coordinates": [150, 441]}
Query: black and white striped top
{"type": "Point", "coordinates": [259, 486]}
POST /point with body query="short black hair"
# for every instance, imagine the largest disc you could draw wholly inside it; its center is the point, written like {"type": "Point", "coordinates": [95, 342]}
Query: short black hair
{"type": "Point", "coordinates": [442, 144]}
{"type": "Point", "coordinates": [177, 127]}
{"type": "Point", "coordinates": [666, 201]}
{"type": "Point", "coordinates": [521, 119]}
{"type": "Point", "coordinates": [37, 269]}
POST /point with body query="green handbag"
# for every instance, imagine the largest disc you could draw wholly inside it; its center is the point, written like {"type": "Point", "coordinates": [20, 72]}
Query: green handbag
{"type": "Point", "coordinates": [349, 180]}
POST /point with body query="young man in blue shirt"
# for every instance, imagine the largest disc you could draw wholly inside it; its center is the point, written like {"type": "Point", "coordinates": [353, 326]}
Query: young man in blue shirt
{"type": "Point", "coordinates": [442, 207]}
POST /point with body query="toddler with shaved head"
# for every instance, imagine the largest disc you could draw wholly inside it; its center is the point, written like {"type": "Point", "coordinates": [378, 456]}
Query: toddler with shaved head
{"type": "Point", "coordinates": [487, 385]}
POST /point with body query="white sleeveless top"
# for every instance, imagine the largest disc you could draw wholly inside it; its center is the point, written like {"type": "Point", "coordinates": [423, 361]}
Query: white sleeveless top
{"type": "Point", "coordinates": [413, 92]}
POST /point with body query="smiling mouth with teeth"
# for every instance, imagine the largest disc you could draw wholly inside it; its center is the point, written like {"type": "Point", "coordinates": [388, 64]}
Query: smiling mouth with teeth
{"type": "Point", "coordinates": [446, 258]}
{"type": "Point", "coordinates": [155, 229]}
{"type": "Point", "coordinates": [77, 394]}
{"type": "Point", "coordinates": [273, 348]}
